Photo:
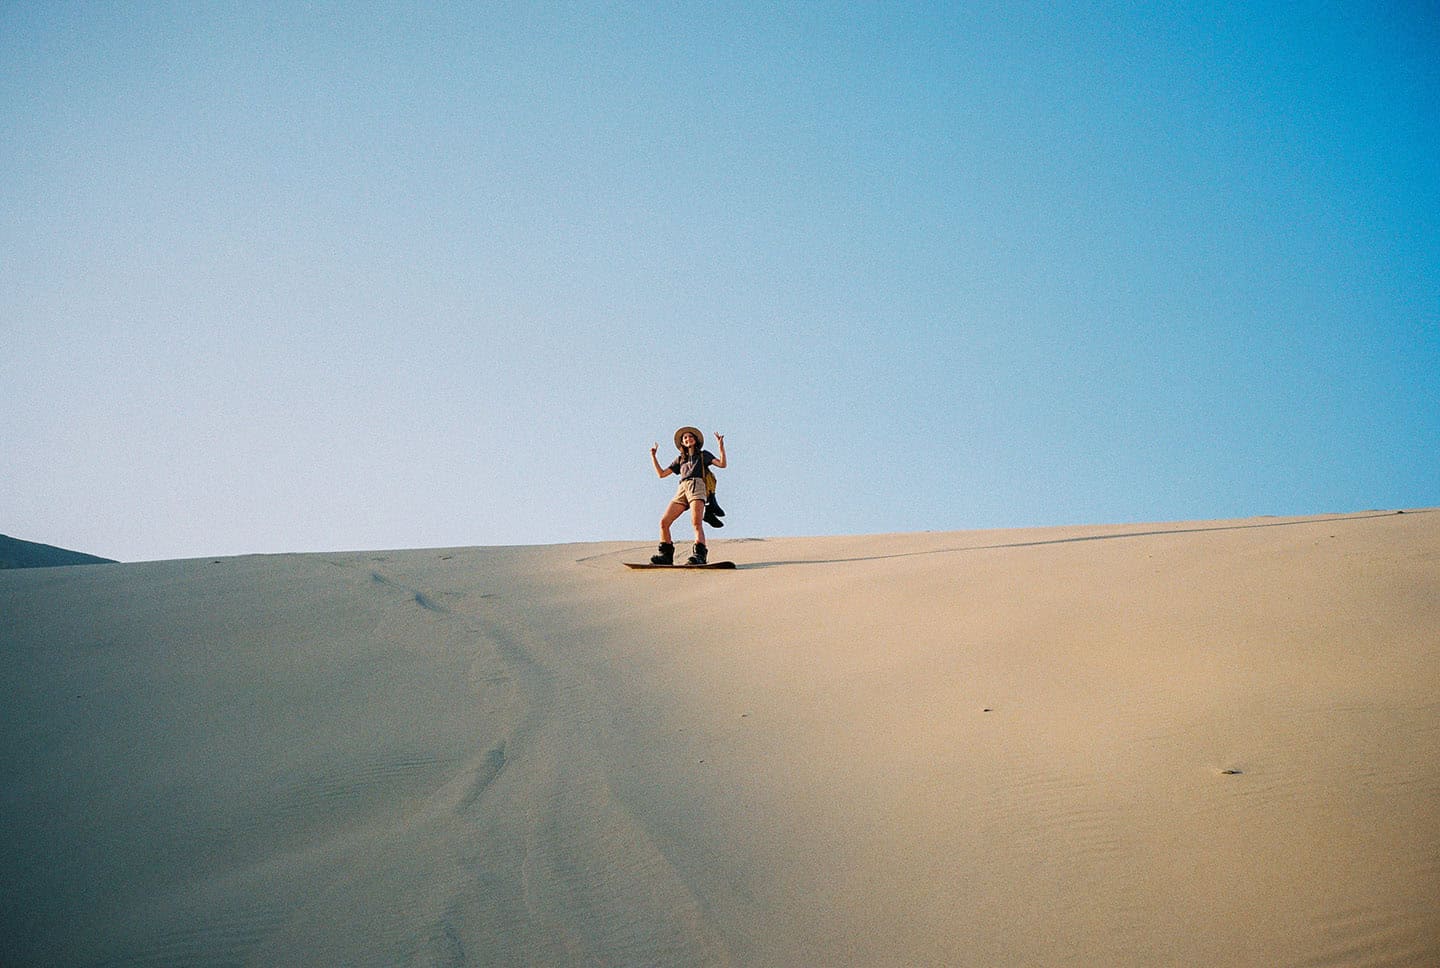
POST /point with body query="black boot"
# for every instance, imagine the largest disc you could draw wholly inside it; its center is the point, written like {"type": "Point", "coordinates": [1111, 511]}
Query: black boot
{"type": "Point", "coordinates": [698, 558]}
{"type": "Point", "coordinates": [666, 555]}
{"type": "Point", "coordinates": [713, 513]}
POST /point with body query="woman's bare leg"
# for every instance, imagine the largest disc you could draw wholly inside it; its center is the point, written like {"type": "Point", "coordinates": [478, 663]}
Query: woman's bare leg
{"type": "Point", "coordinates": [697, 517]}
{"type": "Point", "coordinates": [672, 514]}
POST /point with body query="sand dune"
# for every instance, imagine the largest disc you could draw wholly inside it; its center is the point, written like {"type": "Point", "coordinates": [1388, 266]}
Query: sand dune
{"type": "Point", "coordinates": [16, 553]}
{"type": "Point", "coordinates": [1177, 744]}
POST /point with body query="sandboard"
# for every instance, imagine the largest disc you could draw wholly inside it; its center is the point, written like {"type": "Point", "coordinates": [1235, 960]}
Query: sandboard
{"type": "Point", "coordinates": [709, 564]}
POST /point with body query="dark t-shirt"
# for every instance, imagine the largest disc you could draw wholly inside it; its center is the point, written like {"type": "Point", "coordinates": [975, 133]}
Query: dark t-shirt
{"type": "Point", "coordinates": [692, 469]}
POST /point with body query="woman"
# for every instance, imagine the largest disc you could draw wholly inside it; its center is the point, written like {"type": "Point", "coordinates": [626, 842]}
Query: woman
{"type": "Point", "coordinates": [692, 493]}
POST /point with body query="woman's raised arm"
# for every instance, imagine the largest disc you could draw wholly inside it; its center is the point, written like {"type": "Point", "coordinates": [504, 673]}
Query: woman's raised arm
{"type": "Point", "coordinates": [660, 471]}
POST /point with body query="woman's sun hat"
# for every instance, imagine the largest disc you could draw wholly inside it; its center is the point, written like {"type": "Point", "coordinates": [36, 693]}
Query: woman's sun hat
{"type": "Point", "coordinates": [699, 437]}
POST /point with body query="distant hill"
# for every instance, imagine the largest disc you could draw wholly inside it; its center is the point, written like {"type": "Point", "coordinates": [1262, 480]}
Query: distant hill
{"type": "Point", "coordinates": [15, 553]}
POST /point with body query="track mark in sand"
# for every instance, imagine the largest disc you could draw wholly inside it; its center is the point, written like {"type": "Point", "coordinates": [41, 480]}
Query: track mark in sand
{"type": "Point", "coordinates": [563, 869]}
{"type": "Point", "coordinates": [1079, 538]}
{"type": "Point", "coordinates": [419, 597]}
{"type": "Point", "coordinates": [445, 949]}
{"type": "Point", "coordinates": [595, 877]}
{"type": "Point", "coordinates": [429, 604]}
{"type": "Point", "coordinates": [489, 770]}
{"type": "Point", "coordinates": [598, 561]}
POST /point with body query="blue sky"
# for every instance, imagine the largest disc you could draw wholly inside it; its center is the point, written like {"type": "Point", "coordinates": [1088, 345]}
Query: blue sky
{"type": "Point", "coordinates": [292, 277]}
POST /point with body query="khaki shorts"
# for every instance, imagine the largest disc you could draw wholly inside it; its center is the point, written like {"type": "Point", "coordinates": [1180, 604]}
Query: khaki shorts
{"type": "Point", "coordinates": [691, 491]}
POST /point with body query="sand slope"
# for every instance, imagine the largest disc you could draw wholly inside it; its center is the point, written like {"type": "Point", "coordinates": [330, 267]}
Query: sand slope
{"type": "Point", "coordinates": [1002, 748]}
{"type": "Point", "coordinates": [15, 553]}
